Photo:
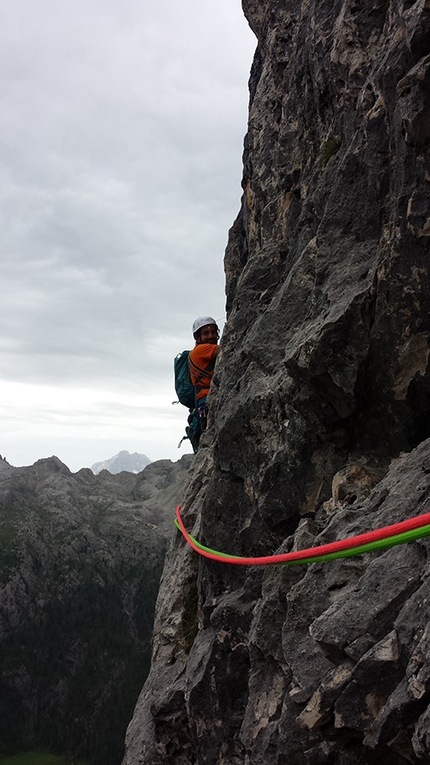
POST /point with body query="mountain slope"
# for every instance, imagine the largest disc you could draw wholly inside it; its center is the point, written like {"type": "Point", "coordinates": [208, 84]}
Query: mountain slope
{"type": "Point", "coordinates": [80, 562]}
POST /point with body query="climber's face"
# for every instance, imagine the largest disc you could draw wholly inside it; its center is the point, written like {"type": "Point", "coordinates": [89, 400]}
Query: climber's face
{"type": "Point", "coordinates": [208, 334]}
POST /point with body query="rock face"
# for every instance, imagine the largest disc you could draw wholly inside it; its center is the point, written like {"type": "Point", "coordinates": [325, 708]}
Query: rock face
{"type": "Point", "coordinates": [319, 417]}
{"type": "Point", "coordinates": [80, 562]}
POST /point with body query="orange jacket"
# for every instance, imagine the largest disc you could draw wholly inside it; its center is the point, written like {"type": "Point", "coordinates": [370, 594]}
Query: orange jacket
{"type": "Point", "coordinates": [202, 361]}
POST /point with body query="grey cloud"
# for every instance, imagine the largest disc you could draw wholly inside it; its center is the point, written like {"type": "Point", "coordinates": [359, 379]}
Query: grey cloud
{"type": "Point", "coordinates": [120, 154]}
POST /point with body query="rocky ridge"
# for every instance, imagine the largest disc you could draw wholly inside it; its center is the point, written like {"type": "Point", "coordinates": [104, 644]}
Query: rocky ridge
{"type": "Point", "coordinates": [80, 562]}
{"type": "Point", "coordinates": [319, 417]}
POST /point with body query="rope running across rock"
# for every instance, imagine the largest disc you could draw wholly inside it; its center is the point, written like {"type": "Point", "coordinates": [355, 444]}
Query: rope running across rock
{"type": "Point", "coordinates": [388, 536]}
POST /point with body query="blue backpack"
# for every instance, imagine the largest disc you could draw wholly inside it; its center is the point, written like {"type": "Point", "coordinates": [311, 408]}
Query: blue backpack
{"type": "Point", "coordinates": [185, 390]}
{"type": "Point", "coordinates": [187, 395]}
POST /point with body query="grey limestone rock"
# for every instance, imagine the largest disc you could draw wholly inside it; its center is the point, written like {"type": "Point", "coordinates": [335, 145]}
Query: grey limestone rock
{"type": "Point", "coordinates": [319, 416]}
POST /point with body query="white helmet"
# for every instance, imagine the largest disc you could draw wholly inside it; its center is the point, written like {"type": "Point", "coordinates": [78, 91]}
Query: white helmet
{"type": "Point", "coordinates": [203, 321]}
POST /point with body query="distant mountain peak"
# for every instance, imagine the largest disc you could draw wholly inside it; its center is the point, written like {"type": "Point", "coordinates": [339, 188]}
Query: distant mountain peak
{"type": "Point", "coordinates": [132, 463]}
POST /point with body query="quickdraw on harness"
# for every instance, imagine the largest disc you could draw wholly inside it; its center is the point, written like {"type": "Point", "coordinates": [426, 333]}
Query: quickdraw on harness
{"type": "Point", "coordinates": [388, 536]}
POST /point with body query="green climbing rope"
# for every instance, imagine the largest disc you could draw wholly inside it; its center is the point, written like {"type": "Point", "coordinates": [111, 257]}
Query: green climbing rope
{"type": "Point", "coordinates": [388, 536]}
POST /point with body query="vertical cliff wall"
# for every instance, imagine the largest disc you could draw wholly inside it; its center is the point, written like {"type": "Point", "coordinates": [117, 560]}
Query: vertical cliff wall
{"type": "Point", "coordinates": [319, 417]}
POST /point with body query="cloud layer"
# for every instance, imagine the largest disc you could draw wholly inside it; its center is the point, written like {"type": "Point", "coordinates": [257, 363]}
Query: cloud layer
{"type": "Point", "coordinates": [121, 140]}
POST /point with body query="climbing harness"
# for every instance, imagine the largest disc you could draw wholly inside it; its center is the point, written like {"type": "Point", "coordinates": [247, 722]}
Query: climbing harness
{"type": "Point", "coordinates": [388, 536]}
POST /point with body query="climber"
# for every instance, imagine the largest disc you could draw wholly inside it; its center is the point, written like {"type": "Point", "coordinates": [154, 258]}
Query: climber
{"type": "Point", "coordinates": [193, 374]}
{"type": "Point", "coordinates": [202, 361]}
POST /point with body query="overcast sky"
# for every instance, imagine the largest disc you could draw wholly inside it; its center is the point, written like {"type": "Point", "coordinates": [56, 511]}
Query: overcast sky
{"type": "Point", "coordinates": [121, 136]}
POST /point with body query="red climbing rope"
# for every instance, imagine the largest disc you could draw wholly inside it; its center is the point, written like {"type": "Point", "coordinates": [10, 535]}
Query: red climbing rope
{"type": "Point", "coordinates": [388, 536]}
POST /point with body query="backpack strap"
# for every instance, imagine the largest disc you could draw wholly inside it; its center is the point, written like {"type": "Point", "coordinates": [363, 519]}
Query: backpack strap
{"type": "Point", "coordinates": [201, 372]}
